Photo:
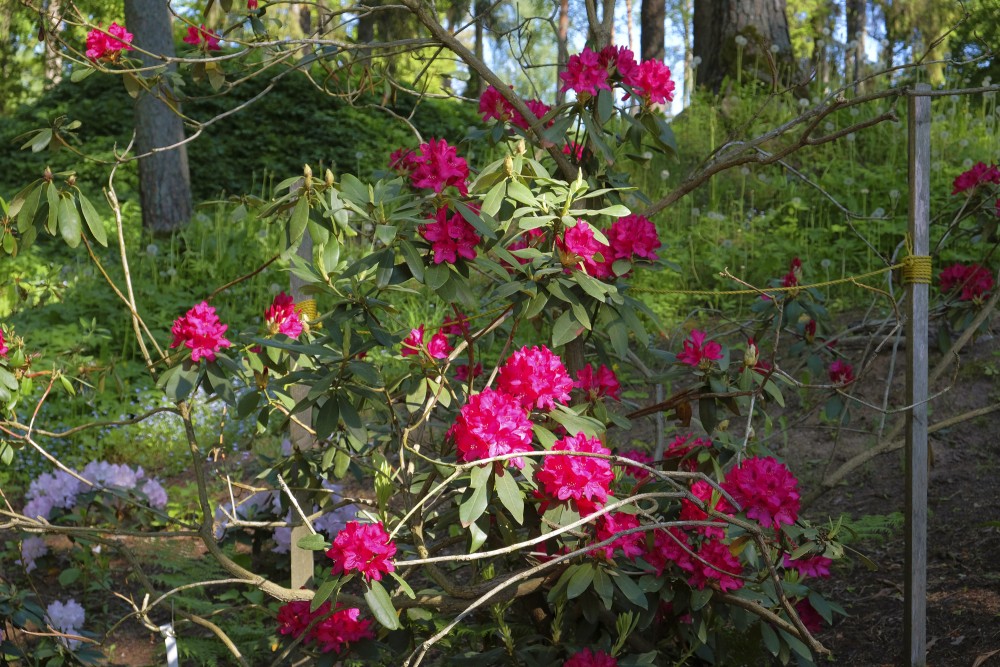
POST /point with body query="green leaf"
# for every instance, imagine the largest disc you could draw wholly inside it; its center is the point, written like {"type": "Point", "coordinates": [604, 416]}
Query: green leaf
{"type": "Point", "coordinates": [494, 198]}
{"type": "Point", "coordinates": [574, 423]}
{"type": "Point", "coordinates": [93, 220]}
{"type": "Point", "coordinates": [478, 537]}
{"type": "Point", "coordinates": [520, 192]}
{"type": "Point", "coordinates": [68, 576]}
{"type": "Point", "coordinates": [403, 586]}
{"type": "Point", "coordinates": [39, 142]}
{"type": "Point", "coordinates": [770, 638]}
{"type": "Point", "coordinates": [314, 542]}
{"type": "Point", "coordinates": [381, 607]}
{"type": "Point", "coordinates": [580, 581]}
{"type": "Point", "coordinates": [473, 507]}
{"type": "Point", "coordinates": [604, 588]}
{"type": "Point", "coordinates": [26, 214]}
{"type": "Point", "coordinates": [565, 329]}
{"type": "Point", "coordinates": [631, 590]}
{"type": "Point", "coordinates": [69, 222]}
{"type": "Point", "coordinates": [510, 495]}
{"type": "Point", "coordinates": [323, 593]}
{"type": "Point", "coordinates": [297, 223]}
{"type": "Point", "coordinates": [327, 417]}
{"type": "Point", "coordinates": [7, 379]}
{"type": "Point", "coordinates": [699, 598]}
{"type": "Point", "coordinates": [52, 197]}
{"type": "Point", "coordinates": [605, 106]}
{"type": "Point", "coordinates": [80, 73]}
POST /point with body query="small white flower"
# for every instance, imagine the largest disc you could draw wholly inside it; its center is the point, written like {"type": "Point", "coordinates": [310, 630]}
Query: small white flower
{"type": "Point", "coordinates": [648, 155]}
{"type": "Point", "coordinates": [152, 250]}
{"type": "Point", "coordinates": [803, 102]}
{"type": "Point", "coordinates": [967, 163]}
{"type": "Point", "coordinates": [745, 171]}
{"type": "Point", "coordinates": [826, 32]}
{"type": "Point", "coordinates": [664, 174]}
{"type": "Point", "coordinates": [695, 212]}
{"type": "Point", "coordinates": [825, 263]}
{"type": "Point", "coordinates": [850, 137]}
{"type": "Point", "coordinates": [695, 61]}
{"type": "Point", "coordinates": [848, 181]}
{"type": "Point", "coordinates": [740, 40]}
{"type": "Point", "coordinates": [864, 191]}
{"type": "Point", "coordinates": [829, 127]}
{"type": "Point", "coordinates": [775, 48]}
{"type": "Point", "coordinates": [819, 43]}
{"type": "Point", "coordinates": [944, 134]}
{"type": "Point", "coordinates": [878, 213]}
{"type": "Point", "coordinates": [894, 195]}
{"type": "Point", "coordinates": [963, 143]}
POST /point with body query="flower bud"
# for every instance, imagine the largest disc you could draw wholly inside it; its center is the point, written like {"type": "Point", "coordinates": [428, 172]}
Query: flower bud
{"type": "Point", "coordinates": [47, 175]}
{"type": "Point", "coordinates": [508, 166]}
{"type": "Point", "coordinates": [71, 181]}
{"type": "Point", "coordinates": [751, 355]}
{"type": "Point", "coordinates": [329, 178]}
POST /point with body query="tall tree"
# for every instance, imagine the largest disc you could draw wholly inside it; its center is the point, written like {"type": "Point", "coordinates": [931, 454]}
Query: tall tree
{"type": "Point", "coordinates": [652, 22]}
{"type": "Point", "coordinates": [857, 17]}
{"type": "Point", "coordinates": [164, 182]}
{"type": "Point", "coordinates": [764, 26]}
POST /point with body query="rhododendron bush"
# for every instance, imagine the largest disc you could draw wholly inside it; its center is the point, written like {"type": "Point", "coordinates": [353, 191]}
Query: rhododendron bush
{"type": "Point", "coordinates": [508, 500]}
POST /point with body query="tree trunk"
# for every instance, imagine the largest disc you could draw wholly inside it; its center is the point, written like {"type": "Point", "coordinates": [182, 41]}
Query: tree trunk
{"type": "Point", "coordinates": [164, 182]}
{"type": "Point", "coordinates": [856, 11]}
{"type": "Point", "coordinates": [53, 56]}
{"type": "Point", "coordinates": [762, 23]}
{"type": "Point", "coordinates": [562, 40]}
{"type": "Point", "coordinates": [652, 38]}
{"type": "Point", "coordinates": [479, 9]}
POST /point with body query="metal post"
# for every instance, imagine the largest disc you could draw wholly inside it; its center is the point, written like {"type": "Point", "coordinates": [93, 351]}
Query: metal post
{"type": "Point", "coordinates": [302, 559]}
{"type": "Point", "coordinates": [915, 590]}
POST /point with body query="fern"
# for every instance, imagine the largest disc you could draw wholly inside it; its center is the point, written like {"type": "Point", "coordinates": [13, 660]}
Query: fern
{"type": "Point", "coordinates": [875, 528]}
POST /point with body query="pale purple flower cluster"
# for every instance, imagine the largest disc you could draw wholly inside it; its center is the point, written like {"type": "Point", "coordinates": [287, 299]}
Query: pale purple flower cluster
{"type": "Point", "coordinates": [268, 506]}
{"type": "Point", "coordinates": [32, 548]}
{"type": "Point", "coordinates": [55, 490]}
{"type": "Point", "coordinates": [66, 617]}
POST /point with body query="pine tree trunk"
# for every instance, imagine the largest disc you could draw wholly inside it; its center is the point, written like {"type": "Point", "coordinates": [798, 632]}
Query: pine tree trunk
{"type": "Point", "coordinates": [652, 38]}
{"type": "Point", "coordinates": [562, 39]}
{"type": "Point", "coordinates": [53, 56]}
{"type": "Point", "coordinates": [856, 11]}
{"type": "Point", "coordinates": [164, 182]}
{"type": "Point", "coordinates": [762, 23]}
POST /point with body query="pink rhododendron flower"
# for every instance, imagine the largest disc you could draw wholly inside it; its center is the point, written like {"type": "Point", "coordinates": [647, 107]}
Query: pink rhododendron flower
{"type": "Point", "coordinates": [101, 45]}
{"type": "Point", "coordinates": [413, 343]}
{"type": "Point", "coordinates": [975, 281]}
{"type": "Point", "coordinates": [3, 345]}
{"type": "Point", "coordinates": [281, 316]}
{"type": "Point", "coordinates": [200, 331]}
{"type": "Point", "coordinates": [439, 347]}
{"type": "Point", "coordinates": [492, 423]}
{"type": "Point", "coordinates": [979, 174]}
{"type": "Point", "coordinates": [587, 658]}
{"type": "Point", "coordinates": [294, 617]}
{"type": "Point", "coordinates": [698, 353]}
{"type": "Point", "coordinates": [809, 566]}
{"type": "Point", "coordinates": [456, 326]}
{"type": "Point", "coordinates": [632, 545]}
{"type": "Point", "coordinates": [809, 331]}
{"type": "Point", "coordinates": [201, 35]}
{"type": "Point", "coordinates": [691, 512]}
{"type": "Point", "coordinates": [809, 616]}
{"type": "Point", "coordinates": [538, 109]}
{"type": "Point", "coordinates": [364, 548]}
{"type": "Point", "coordinates": [669, 546]}
{"type": "Point", "coordinates": [579, 478]}
{"type": "Point", "coordinates": [251, 5]}
{"type": "Point", "coordinates": [434, 165]}
{"type": "Point", "coordinates": [639, 457]}
{"type": "Point", "coordinates": [618, 60]}
{"type": "Point", "coordinates": [602, 383]}
{"type": "Point", "coordinates": [574, 150]}
{"type": "Point", "coordinates": [462, 371]}
{"type": "Point", "coordinates": [493, 105]}
{"type": "Point", "coordinates": [794, 275]}
{"type": "Point", "coordinates": [536, 377]}
{"type": "Point", "coordinates": [580, 245]}
{"type": "Point", "coordinates": [721, 566]}
{"type": "Point", "coordinates": [841, 372]}
{"type": "Point", "coordinates": [450, 237]}
{"type": "Point", "coordinates": [651, 80]}
{"type": "Point", "coordinates": [766, 490]}
{"type": "Point", "coordinates": [633, 236]}
{"type": "Point", "coordinates": [341, 628]}
{"type": "Point", "coordinates": [584, 74]}
{"type": "Point", "coordinates": [682, 445]}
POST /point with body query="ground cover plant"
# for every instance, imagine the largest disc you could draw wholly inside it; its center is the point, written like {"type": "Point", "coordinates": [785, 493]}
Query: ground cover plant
{"type": "Point", "coordinates": [472, 360]}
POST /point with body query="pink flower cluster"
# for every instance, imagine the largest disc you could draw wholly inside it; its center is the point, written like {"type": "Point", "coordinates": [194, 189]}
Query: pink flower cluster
{"type": "Point", "coordinates": [975, 281]}
{"type": "Point", "coordinates": [434, 165]}
{"type": "Point", "coordinates": [584, 480]}
{"type": "Point", "coordinates": [281, 316]}
{"type": "Point", "coordinates": [809, 566]}
{"type": "Point", "coordinates": [766, 490]}
{"type": "Point", "coordinates": [207, 39]}
{"type": "Point", "coordinates": [703, 491]}
{"type": "Point", "coordinates": [841, 372]}
{"type": "Point", "coordinates": [3, 345]}
{"type": "Point", "coordinates": [588, 658]}
{"type": "Point", "coordinates": [979, 174]}
{"type": "Point", "coordinates": [200, 331]}
{"type": "Point", "coordinates": [492, 423]}
{"type": "Point", "coordinates": [611, 524]}
{"type": "Point", "coordinates": [437, 348]}
{"type": "Point", "coordinates": [450, 237]}
{"type": "Point", "coordinates": [536, 377]}
{"type": "Point", "coordinates": [698, 353]}
{"type": "Point", "coordinates": [628, 237]}
{"type": "Point", "coordinates": [108, 44]}
{"type": "Point", "coordinates": [364, 548]}
{"type": "Point", "coordinates": [794, 275]}
{"type": "Point", "coordinates": [496, 422]}
{"type": "Point", "coordinates": [494, 105]}
{"type": "Point", "coordinates": [334, 632]}
{"type": "Point", "coordinates": [599, 383]}
{"type": "Point", "coordinates": [588, 72]}
{"type": "Point", "coordinates": [714, 559]}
